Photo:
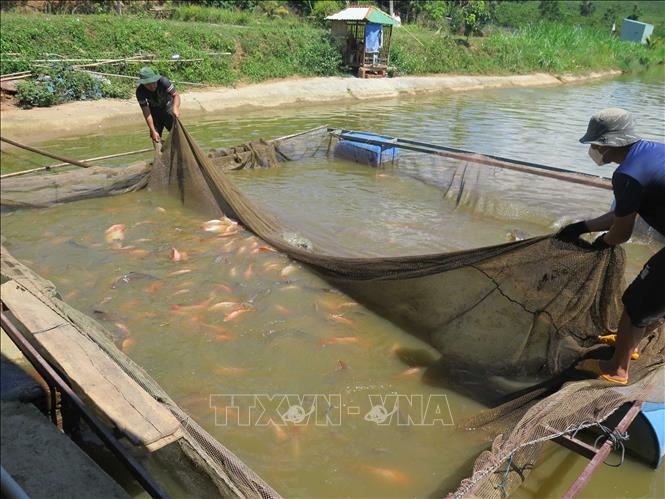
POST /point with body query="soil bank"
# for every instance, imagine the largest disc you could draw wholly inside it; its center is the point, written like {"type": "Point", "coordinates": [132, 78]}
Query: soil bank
{"type": "Point", "coordinates": [76, 118]}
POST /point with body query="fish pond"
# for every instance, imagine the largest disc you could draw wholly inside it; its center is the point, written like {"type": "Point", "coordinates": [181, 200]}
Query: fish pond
{"type": "Point", "coordinates": [210, 310]}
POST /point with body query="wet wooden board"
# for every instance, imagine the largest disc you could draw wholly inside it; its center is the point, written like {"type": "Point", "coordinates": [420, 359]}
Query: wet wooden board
{"type": "Point", "coordinates": [95, 376]}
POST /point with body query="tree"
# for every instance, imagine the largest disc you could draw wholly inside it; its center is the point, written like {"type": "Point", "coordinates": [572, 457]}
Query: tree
{"type": "Point", "coordinates": [637, 12]}
{"type": "Point", "coordinates": [550, 9]}
{"type": "Point", "coordinates": [587, 8]}
{"type": "Point", "coordinates": [610, 15]}
{"type": "Point", "coordinates": [471, 15]}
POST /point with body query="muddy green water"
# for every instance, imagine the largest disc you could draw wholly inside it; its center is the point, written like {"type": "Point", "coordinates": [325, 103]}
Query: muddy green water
{"type": "Point", "coordinates": [295, 334]}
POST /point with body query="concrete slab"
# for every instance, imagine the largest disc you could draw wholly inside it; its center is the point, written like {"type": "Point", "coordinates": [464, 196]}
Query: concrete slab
{"type": "Point", "coordinates": [45, 462]}
{"type": "Point", "coordinates": [15, 381]}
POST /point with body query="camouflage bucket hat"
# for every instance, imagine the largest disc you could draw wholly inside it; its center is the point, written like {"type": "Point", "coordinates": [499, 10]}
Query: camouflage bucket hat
{"type": "Point", "coordinates": [147, 75]}
{"type": "Point", "coordinates": [611, 127]}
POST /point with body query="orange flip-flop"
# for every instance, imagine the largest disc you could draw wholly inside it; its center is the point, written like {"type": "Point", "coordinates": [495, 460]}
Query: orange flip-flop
{"type": "Point", "coordinates": [610, 339]}
{"type": "Point", "coordinates": [593, 366]}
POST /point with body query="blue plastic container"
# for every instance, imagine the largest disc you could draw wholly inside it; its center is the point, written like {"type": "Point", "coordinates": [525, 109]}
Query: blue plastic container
{"type": "Point", "coordinates": [354, 148]}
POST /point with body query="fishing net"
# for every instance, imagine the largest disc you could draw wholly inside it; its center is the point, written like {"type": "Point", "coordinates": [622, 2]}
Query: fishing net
{"type": "Point", "coordinates": [526, 307]}
{"type": "Point", "coordinates": [52, 188]}
{"type": "Point", "coordinates": [529, 307]}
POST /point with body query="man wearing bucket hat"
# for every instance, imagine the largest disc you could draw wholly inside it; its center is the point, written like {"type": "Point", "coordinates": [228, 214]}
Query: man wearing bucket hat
{"type": "Point", "coordinates": [639, 189]}
{"type": "Point", "coordinates": [159, 102]}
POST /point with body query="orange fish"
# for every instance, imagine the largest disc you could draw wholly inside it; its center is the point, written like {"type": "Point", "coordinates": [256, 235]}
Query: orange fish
{"type": "Point", "coordinates": [288, 270]}
{"type": "Point", "coordinates": [195, 306]}
{"type": "Point", "coordinates": [131, 304]}
{"type": "Point", "coordinates": [223, 337]}
{"type": "Point", "coordinates": [348, 304]}
{"type": "Point", "coordinates": [178, 256]}
{"type": "Point", "coordinates": [160, 209]}
{"type": "Point", "coordinates": [340, 318]}
{"type": "Point", "coordinates": [223, 287]}
{"type": "Point", "coordinates": [229, 234]}
{"type": "Point", "coordinates": [267, 248]}
{"type": "Point", "coordinates": [224, 305]}
{"type": "Point", "coordinates": [180, 292]}
{"type": "Point", "coordinates": [248, 273]}
{"type": "Point", "coordinates": [139, 253]}
{"type": "Point", "coordinates": [115, 233]}
{"type": "Point", "coordinates": [339, 340]}
{"type": "Point", "coordinates": [180, 272]}
{"type": "Point", "coordinates": [271, 266]}
{"type": "Point", "coordinates": [127, 344]}
{"type": "Point", "coordinates": [235, 314]}
{"type": "Point", "coordinates": [282, 310]}
{"type": "Point", "coordinates": [279, 432]}
{"type": "Point", "coordinates": [122, 328]}
{"type": "Point", "coordinates": [341, 365]}
{"type": "Point", "coordinates": [388, 474]}
{"type": "Point", "coordinates": [154, 287]}
{"type": "Point", "coordinates": [214, 226]}
{"type": "Point", "coordinates": [412, 371]}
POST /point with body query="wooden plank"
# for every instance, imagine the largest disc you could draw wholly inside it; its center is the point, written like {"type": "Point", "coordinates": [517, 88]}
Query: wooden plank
{"type": "Point", "coordinates": [582, 448]}
{"type": "Point", "coordinates": [92, 373]}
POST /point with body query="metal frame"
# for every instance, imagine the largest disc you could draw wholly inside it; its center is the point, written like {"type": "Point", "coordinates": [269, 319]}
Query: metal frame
{"type": "Point", "coordinates": [57, 384]}
{"type": "Point", "coordinates": [486, 159]}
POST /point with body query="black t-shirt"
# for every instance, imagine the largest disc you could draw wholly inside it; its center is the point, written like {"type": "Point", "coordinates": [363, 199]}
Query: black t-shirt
{"type": "Point", "coordinates": [160, 99]}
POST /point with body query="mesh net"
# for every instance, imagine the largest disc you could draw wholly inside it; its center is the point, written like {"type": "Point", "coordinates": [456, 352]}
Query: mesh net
{"type": "Point", "coordinates": [52, 188]}
{"type": "Point", "coordinates": [527, 307]}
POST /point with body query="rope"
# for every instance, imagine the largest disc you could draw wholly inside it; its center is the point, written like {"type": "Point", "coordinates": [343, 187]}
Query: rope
{"type": "Point", "coordinates": [617, 439]}
{"type": "Point", "coordinates": [502, 484]}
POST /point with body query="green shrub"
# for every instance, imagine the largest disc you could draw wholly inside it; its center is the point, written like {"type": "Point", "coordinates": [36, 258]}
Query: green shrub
{"type": "Point", "coordinates": [33, 94]}
{"type": "Point", "coordinates": [323, 8]}
{"type": "Point", "coordinates": [63, 84]}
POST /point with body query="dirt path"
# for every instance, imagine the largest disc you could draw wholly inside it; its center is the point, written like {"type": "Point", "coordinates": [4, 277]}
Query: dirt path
{"type": "Point", "coordinates": [75, 118]}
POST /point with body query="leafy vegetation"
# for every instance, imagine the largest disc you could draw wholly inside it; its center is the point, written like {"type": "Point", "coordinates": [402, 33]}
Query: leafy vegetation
{"type": "Point", "coordinates": [225, 42]}
{"type": "Point", "coordinates": [60, 84]}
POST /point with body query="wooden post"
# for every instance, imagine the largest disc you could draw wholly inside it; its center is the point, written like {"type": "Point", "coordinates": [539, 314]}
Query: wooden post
{"type": "Point", "coordinates": [45, 153]}
{"type": "Point", "coordinates": [602, 453]}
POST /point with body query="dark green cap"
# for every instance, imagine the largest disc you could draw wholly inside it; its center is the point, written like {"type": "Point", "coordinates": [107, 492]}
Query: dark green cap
{"type": "Point", "coordinates": [147, 75]}
{"type": "Point", "coordinates": [613, 127]}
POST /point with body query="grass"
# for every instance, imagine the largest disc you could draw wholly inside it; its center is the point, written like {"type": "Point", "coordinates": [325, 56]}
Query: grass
{"type": "Point", "coordinates": [543, 46]}
{"type": "Point", "coordinates": [274, 50]}
{"type": "Point", "coordinates": [263, 47]}
{"type": "Point", "coordinates": [515, 14]}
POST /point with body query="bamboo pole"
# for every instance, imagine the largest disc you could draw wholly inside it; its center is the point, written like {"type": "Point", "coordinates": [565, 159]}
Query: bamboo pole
{"type": "Point", "coordinates": [602, 453]}
{"type": "Point", "coordinates": [58, 165]}
{"type": "Point", "coordinates": [18, 73]}
{"type": "Point", "coordinates": [135, 78]}
{"type": "Point", "coordinates": [109, 61]}
{"type": "Point", "coordinates": [13, 78]}
{"type": "Point", "coordinates": [45, 153]}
